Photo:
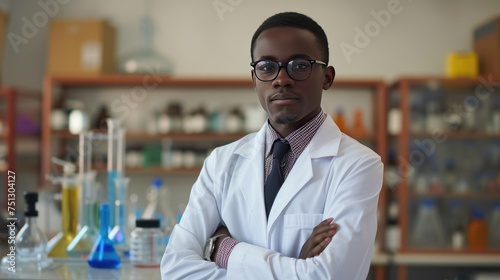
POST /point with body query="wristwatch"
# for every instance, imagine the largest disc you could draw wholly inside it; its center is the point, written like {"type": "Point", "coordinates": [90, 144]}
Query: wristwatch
{"type": "Point", "coordinates": [210, 246]}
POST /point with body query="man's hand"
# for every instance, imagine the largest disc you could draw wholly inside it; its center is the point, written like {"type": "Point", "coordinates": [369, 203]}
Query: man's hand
{"type": "Point", "coordinates": [220, 230]}
{"type": "Point", "coordinates": [320, 237]}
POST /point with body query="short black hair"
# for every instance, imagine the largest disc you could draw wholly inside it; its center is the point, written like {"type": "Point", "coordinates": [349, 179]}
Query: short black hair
{"type": "Point", "coordinates": [293, 19]}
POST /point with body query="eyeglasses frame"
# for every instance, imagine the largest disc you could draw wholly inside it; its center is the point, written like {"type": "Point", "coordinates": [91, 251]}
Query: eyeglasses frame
{"type": "Point", "coordinates": [282, 64]}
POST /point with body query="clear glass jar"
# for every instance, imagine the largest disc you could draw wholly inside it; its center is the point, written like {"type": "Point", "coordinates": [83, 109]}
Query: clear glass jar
{"type": "Point", "coordinates": [147, 243]}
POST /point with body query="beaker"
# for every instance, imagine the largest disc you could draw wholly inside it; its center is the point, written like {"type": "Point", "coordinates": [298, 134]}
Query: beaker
{"type": "Point", "coordinates": [119, 234]}
{"type": "Point", "coordinates": [116, 151]}
{"type": "Point", "coordinates": [103, 254]}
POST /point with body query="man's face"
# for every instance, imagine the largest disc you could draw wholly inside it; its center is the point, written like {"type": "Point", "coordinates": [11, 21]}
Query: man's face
{"type": "Point", "coordinates": [290, 103]}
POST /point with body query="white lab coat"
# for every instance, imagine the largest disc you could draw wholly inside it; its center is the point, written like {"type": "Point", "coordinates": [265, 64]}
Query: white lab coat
{"type": "Point", "coordinates": [335, 176]}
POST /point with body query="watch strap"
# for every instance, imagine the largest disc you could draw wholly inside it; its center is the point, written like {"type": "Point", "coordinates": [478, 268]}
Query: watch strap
{"type": "Point", "coordinates": [211, 244]}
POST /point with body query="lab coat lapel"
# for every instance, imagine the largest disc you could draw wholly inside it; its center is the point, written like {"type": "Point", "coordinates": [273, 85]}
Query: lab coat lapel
{"type": "Point", "coordinates": [325, 143]}
{"type": "Point", "coordinates": [253, 195]}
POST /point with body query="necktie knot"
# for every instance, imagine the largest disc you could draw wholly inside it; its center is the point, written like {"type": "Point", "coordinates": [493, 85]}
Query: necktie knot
{"type": "Point", "coordinates": [279, 149]}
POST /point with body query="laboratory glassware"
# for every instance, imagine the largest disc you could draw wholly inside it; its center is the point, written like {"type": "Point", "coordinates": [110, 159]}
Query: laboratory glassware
{"type": "Point", "coordinates": [31, 242]}
{"type": "Point", "coordinates": [119, 234]}
{"type": "Point", "coordinates": [103, 254]}
{"type": "Point", "coordinates": [69, 208]}
{"type": "Point", "coordinates": [116, 151]}
{"type": "Point", "coordinates": [81, 245]}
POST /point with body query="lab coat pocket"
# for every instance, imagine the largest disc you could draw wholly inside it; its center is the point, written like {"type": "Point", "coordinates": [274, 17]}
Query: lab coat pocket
{"type": "Point", "coordinates": [302, 221]}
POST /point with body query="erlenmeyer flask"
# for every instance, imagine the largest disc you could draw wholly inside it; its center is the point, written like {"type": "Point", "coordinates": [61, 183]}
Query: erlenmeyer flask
{"type": "Point", "coordinates": [31, 242]}
{"type": "Point", "coordinates": [103, 254]}
{"type": "Point", "coordinates": [119, 234]}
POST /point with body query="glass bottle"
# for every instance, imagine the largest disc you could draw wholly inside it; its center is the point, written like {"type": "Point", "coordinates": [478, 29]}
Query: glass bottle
{"type": "Point", "coordinates": [417, 117]}
{"type": "Point", "coordinates": [434, 116]}
{"type": "Point", "coordinates": [495, 117]}
{"type": "Point", "coordinates": [147, 243]}
{"type": "Point", "coordinates": [119, 234]}
{"type": "Point", "coordinates": [457, 226]}
{"type": "Point", "coordinates": [358, 128]}
{"type": "Point", "coordinates": [31, 242]}
{"type": "Point", "coordinates": [153, 209]}
{"type": "Point", "coordinates": [427, 231]}
{"type": "Point", "coordinates": [394, 117]}
{"type": "Point", "coordinates": [103, 254]}
{"type": "Point", "coordinates": [494, 226]}
{"type": "Point", "coordinates": [69, 207]}
{"type": "Point", "coordinates": [450, 175]}
{"type": "Point", "coordinates": [392, 231]}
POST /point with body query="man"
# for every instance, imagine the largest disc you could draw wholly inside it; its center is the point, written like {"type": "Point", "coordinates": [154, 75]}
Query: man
{"type": "Point", "coordinates": [234, 220]}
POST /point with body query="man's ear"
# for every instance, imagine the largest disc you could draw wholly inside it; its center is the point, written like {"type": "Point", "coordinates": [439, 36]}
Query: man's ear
{"type": "Point", "coordinates": [253, 77]}
{"type": "Point", "coordinates": [329, 77]}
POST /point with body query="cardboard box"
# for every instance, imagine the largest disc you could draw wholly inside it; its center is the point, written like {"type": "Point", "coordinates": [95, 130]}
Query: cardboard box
{"type": "Point", "coordinates": [487, 47]}
{"type": "Point", "coordinates": [81, 47]}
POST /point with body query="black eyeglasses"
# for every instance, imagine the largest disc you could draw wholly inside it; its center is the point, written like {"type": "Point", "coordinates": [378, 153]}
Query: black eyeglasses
{"type": "Point", "coordinates": [298, 69]}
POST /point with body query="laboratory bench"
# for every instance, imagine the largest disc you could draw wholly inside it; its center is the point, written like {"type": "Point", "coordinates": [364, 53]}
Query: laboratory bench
{"type": "Point", "coordinates": [67, 269]}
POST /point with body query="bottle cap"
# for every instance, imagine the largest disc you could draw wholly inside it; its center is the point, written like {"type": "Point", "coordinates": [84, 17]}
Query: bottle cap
{"type": "Point", "coordinates": [31, 199]}
{"type": "Point", "coordinates": [147, 223]}
{"type": "Point", "coordinates": [477, 214]}
{"type": "Point", "coordinates": [157, 182]}
{"type": "Point", "coordinates": [428, 202]}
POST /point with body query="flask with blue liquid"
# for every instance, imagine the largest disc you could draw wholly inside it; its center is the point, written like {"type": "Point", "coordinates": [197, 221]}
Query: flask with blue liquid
{"type": "Point", "coordinates": [103, 254]}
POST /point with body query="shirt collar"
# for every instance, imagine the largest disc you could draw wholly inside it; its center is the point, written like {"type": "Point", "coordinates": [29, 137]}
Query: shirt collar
{"type": "Point", "coordinates": [294, 138]}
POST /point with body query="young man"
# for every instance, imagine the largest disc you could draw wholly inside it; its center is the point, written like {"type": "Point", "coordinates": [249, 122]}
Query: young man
{"type": "Point", "coordinates": [235, 226]}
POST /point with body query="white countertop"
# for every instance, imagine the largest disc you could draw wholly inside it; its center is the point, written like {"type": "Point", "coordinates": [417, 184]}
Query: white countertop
{"type": "Point", "coordinates": [61, 269]}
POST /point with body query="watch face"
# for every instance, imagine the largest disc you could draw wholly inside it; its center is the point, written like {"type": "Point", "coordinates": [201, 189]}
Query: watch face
{"type": "Point", "coordinates": [207, 251]}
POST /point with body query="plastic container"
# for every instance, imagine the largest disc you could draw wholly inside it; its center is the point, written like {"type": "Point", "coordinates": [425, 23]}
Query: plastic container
{"type": "Point", "coordinates": [339, 119]}
{"type": "Point", "coordinates": [147, 243]}
{"type": "Point", "coordinates": [427, 231]}
{"type": "Point", "coordinates": [477, 236]}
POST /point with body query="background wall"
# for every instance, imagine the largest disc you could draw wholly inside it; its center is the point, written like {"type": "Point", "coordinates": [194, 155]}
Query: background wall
{"type": "Point", "coordinates": [212, 38]}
